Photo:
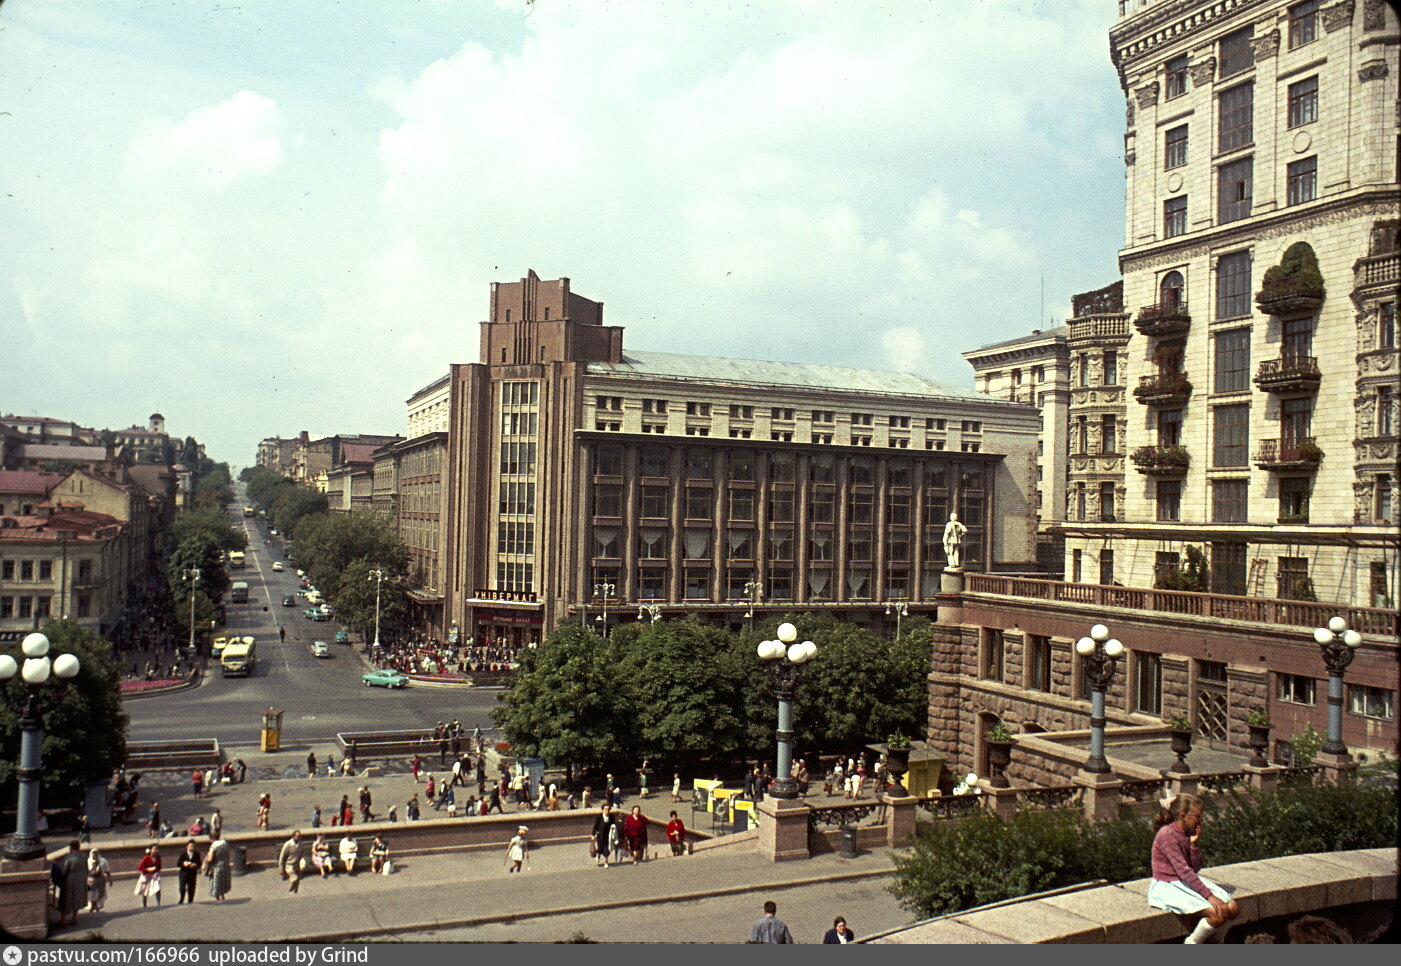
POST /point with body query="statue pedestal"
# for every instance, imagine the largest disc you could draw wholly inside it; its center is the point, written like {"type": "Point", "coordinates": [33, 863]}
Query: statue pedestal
{"type": "Point", "coordinates": [783, 829]}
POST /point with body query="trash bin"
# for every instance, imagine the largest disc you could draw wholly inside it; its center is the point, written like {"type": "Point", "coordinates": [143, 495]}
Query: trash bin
{"type": "Point", "coordinates": [240, 860]}
{"type": "Point", "coordinates": [848, 846]}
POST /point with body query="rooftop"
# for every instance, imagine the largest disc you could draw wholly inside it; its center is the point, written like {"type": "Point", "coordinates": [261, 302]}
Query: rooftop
{"type": "Point", "coordinates": [28, 481]}
{"type": "Point", "coordinates": [1041, 335]}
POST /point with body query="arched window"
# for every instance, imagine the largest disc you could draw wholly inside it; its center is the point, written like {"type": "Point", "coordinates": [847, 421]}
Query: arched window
{"type": "Point", "coordinates": [1170, 290]}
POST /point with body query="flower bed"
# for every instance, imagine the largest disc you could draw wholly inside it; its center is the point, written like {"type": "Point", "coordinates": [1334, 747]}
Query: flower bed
{"type": "Point", "coordinates": [128, 686]}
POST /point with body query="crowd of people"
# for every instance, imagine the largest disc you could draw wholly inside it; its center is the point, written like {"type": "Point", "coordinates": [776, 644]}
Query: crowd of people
{"type": "Point", "coordinates": [431, 656]}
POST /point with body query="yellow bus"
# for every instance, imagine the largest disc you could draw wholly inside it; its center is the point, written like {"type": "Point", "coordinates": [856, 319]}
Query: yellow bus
{"type": "Point", "coordinates": [236, 559]}
{"type": "Point", "coordinates": [238, 658]}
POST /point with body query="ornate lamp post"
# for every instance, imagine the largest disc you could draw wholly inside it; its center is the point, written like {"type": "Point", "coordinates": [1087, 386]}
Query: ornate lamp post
{"type": "Point", "coordinates": [900, 610]}
{"type": "Point", "coordinates": [26, 843]}
{"type": "Point", "coordinates": [1101, 653]}
{"type": "Point", "coordinates": [785, 662]}
{"type": "Point", "coordinates": [654, 611]}
{"type": "Point", "coordinates": [1338, 645]}
{"type": "Point", "coordinates": [604, 592]}
{"type": "Point", "coordinates": [192, 575]}
{"type": "Point", "coordinates": [377, 575]}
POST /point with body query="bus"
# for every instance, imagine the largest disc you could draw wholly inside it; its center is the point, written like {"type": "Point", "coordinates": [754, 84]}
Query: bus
{"type": "Point", "coordinates": [248, 511]}
{"type": "Point", "coordinates": [236, 559]}
{"type": "Point", "coordinates": [238, 593]}
{"type": "Point", "coordinates": [238, 658]}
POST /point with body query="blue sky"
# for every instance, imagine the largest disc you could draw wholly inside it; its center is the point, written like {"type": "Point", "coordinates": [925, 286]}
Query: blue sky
{"type": "Point", "coordinates": [259, 217]}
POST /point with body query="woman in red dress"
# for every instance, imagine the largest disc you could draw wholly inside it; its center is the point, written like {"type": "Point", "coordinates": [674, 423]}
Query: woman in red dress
{"type": "Point", "coordinates": [635, 832]}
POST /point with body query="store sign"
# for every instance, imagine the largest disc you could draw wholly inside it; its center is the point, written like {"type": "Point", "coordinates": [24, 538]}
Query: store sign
{"type": "Point", "coordinates": [514, 596]}
{"type": "Point", "coordinates": [507, 618]}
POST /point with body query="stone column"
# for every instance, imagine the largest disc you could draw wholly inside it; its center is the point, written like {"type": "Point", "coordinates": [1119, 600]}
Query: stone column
{"type": "Point", "coordinates": [783, 829]}
{"type": "Point", "coordinates": [1002, 802]}
{"type": "Point", "coordinates": [900, 822]}
{"type": "Point", "coordinates": [1100, 798]}
{"type": "Point", "coordinates": [950, 596]}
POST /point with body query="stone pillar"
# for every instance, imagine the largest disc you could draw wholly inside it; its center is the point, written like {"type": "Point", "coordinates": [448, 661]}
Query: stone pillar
{"type": "Point", "coordinates": [783, 829]}
{"type": "Point", "coordinates": [900, 821]}
{"type": "Point", "coordinates": [1002, 802]}
{"type": "Point", "coordinates": [950, 596]}
{"type": "Point", "coordinates": [1336, 768]}
{"type": "Point", "coordinates": [1100, 798]}
{"type": "Point", "coordinates": [24, 898]}
{"type": "Point", "coordinates": [1263, 780]}
{"type": "Point", "coordinates": [1182, 782]}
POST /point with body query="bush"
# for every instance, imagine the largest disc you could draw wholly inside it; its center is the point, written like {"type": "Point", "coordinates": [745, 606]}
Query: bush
{"type": "Point", "coordinates": [1309, 818]}
{"type": "Point", "coordinates": [1296, 274]}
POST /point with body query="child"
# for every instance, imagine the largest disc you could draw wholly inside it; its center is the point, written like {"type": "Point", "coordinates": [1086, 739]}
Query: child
{"type": "Point", "coordinates": [1176, 858]}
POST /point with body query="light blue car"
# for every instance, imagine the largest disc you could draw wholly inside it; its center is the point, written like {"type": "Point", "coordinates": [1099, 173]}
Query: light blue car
{"type": "Point", "coordinates": [384, 678]}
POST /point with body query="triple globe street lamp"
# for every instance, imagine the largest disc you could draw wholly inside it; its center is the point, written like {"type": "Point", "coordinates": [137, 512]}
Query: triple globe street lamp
{"type": "Point", "coordinates": [785, 663]}
{"type": "Point", "coordinates": [1339, 645]}
{"type": "Point", "coordinates": [1101, 655]}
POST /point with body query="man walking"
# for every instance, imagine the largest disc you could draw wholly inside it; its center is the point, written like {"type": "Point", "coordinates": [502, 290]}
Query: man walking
{"type": "Point", "coordinates": [289, 860]}
{"type": "Point", "coordinates": [770, 929]}
{"type": "Point", "coordinates": [311, 764]}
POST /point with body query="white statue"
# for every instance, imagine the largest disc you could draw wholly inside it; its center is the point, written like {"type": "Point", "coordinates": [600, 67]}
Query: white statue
{"type": "Point", "coordinates": [953, 541]}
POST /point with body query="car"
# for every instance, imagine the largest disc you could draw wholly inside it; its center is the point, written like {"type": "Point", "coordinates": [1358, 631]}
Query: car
{"type": "Point", "coordinates": [289, 602]}
{"type": "Point", "coordinates": [277, 567]}
{"type": "Point", "coordinates": [342, 637]}
{"type": "Point", "coordinates": [218, 645]}
{"type": "Point", "coordinates": [320, 649]}
{"type": "Point", "coordinates": [384, 678]}
{"type": "Point", "coordinates": [315, 614]}
{"type": "Point", "coordinates": [272, 532]}
{"type": "Point", "coordinates": [304, 584]}
{"type": "Point", "coordinates": [301, 574]}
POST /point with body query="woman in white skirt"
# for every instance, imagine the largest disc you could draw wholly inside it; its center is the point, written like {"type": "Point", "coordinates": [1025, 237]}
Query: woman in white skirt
{"type": "Point", "coordinates": [148, 881]}
{"type": "Point", "coordinates": [517, 850]}
{"type": "Point", "coordinates": [1176, 886]}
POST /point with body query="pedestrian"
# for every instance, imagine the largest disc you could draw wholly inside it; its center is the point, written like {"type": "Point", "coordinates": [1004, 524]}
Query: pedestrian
{"type": "Point", "coordinates": [417, 763]}
{"type": "Point", "coordinates": [457, 772]}
{"type": "Point", "coordinates": [281, 634]}
{"type": "Point", "coordinates": [411, 808]}
{"type": "Point", "coordinates": [642, 774]}
{"type": "Point", "coordinates": [477, 738]}
{"type": "Point", "coordinates": [321, 855]}
{"type": "Point", "coordinates": [188, 871]}
{"type": "Point", "coordinates": [839, 933]}
{"type": "Point", "coordinates": [1176, 859]}
{"type": "Point", "coordinates": [442, 751]}
{"type": "Point", "coordinates": [430, 787]}
{"type": "Point", "coordinates": [365, 802]}
{"type": "Point", "coordinates": [264, 811]}
{"type": "Point", "coordinates": [330, 765]}
{"type": "Point", "coordinates": [379, 855]}
{"type": "Point", "coordinates": [585, 798]}
{"type": "Point", "coordinates": [242, 769]}
{"type": "Point", "coordinates": [676, 787]}
{"type": "Point", "coordinates": [350, 852]}
{"type": "Point", "coordinates": [153, 821]}
{"type": "Point", "coordinates": [73, 884]}
{"type": "Point", "coordinates": [216, 825]}
{"type": "Point", "coordinates": [495, 803]}
{"type": "Point", "coordinates": [635, 831]}
{"type": "Point", "coordinates": [99, 878]}
{"type": "Point", "coordinates": [350, 754]}
{"type": "Point", "coordinates": [197, 782]}
{"type": "Point", "coordinates": [217, 867]}
{"type": "Point", "coordinates": [84, 829]}
{"type": "Point", "coordinates": [148, 880]}
{"type": "Point", "coordinates": [289, 860]}
{"type": "Point", "coordinates": [311, 764]}
{"type": "Point", "coordinates": [770, 929]}
{"type": "Point", "coordinates": [676, 834]}
{"type": "Point", "coordinates": [347, 767]}
{"type": "Point", "coordinates": [602, 841]}
{"type": "Point", "coordinates": [518, 850]}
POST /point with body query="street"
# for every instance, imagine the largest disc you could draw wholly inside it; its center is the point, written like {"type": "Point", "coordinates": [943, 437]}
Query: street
{"type": "Point", "coordinates": [320, 696]}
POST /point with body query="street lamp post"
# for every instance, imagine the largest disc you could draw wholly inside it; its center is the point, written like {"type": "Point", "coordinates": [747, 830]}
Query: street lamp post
{"type": "Point", "coordinates": [900, 610]}
{"type": "Point", "coordinates": [377, 575]}
{"type": "Point", "coordinates": [785, 662]}
{"type": "Point", "coordinates": [604, 591]}
{"type": "Point", "coordinates": [1338, 644]}
{"type": "Point", "coordinates": [1101, 653]}
{"type": "Point", "coordinates": [751, 591]}
{"type": "Point", "coordinates": [654, 611]}
{"type": "Point", "coordinates": [26, 843]}
{"type": "Point", "coordinates": [192, 575]}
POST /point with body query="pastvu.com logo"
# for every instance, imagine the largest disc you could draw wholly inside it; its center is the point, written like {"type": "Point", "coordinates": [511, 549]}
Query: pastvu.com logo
{"type": "Point", "coordinates": [13, 954]}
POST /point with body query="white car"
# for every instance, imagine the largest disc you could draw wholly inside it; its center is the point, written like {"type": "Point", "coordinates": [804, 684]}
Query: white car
{"type": "Point", "coordinates": [320, 649]}
{"type": "Point", "coordinates": [277, 567]}
{"type": "Point", "coordinates": [301, 574]}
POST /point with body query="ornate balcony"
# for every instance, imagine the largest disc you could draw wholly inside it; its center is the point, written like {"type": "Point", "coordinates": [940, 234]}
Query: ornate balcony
{"type": "Point", "coordinates": [1289, 374]}
{"type": "Point", "coordinates": [1289, 453]}
{"type": "Point", "coordinates": [1289, 297]}
{"type": "Point", "coordinates": [1164, 319]}
{"type": "Point", "coordinates": [1163, 389]}
{"type": "Point", "coordinates": [1161, 462]}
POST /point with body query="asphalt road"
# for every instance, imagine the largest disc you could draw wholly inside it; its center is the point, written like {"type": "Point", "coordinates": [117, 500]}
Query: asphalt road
{"type": "Point", "coordinates": [320, 696]}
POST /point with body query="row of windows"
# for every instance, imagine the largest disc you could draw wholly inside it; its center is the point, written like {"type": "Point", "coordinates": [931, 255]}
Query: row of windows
{"type": "Point", "coordinates": [738, 584]}
{"type": "Point", "coordinates": [1229, 502]}
{"type": "Point", "coordinates": [654, 543]}
{"type": "Point", "coordinates": [612, 404]}
{"type": "Point", "coordinates": [1234, 52]}
{"type": "Point", "coordinates": [654, 503]}
{"type": "Point", "coordinates": [701, 464]}
{"type": "Point", "coordinates": [27, 570]}
{"type": "Point", "coordinates": [1234, 186]}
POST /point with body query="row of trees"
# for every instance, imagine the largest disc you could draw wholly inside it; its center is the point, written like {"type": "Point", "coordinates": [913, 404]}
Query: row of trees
{"type": "Point", "coordinates": [284, 502]}
{"type": "Point", "coordinates": [200, 537]}
{"type": "Point", "coordinates": [682, 692]}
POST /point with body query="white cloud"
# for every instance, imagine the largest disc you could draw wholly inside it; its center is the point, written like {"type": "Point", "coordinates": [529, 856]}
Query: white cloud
{"type": "Point", "coordinates": [220, 144]}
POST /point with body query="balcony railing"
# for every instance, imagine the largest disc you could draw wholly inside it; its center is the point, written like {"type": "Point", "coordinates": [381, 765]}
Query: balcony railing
{"type": "Point", "coordinates": [1266, 610]}
{"type": "Point", "coordinates": [1291, 373]}
{"type": "Point", "coordinates": [1163, 389]}
{"type": "Point", "coordinates": [1378, 269]}
{"type": "Point", "coordinates": [1165, 318]}
{"type": "Point", "coordinates": [1290, 452]}
{"type": "Point", "coordinates": [1161, 461]}
{"type": "Point", "coordinates": [1288, 297]}
{"type": "Point", "coordinates": [1099, 327]}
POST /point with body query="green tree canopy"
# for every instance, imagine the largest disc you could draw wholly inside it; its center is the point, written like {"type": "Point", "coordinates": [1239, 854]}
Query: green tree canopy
{"type": "Point", "coordinates": [355, 601]}
{"type": "Point", "coordinates": [202, 550]}
{"type": "Point", "coordinates": [211, 522]}
{"type": "Point", "coordinates": [328, 543]}
{"type": "Point", "coordinates": [295, 503]}
{"type": "Point", "coordinates": [85, 735]}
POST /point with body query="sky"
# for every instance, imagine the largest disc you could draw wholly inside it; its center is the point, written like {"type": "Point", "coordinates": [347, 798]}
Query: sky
{"type": "Point", "coordinates": [260, 217]}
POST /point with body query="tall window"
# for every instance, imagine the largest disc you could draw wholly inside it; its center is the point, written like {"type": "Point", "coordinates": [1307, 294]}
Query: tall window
{"type": "Point", "coordinates": [1303, 180]}
{"type": "Point", "coordinates": [1175, 147]}
{"type": "Point", "coordinates": [1106, 502]}
{"type": "Point", "coordinates": [1038, 663]}
{"type": "Point", "coordinates": [1077, 559]}
{"type": "Point", "coordinates": [1303, 23]}
{"type": "Point", "coordinates": [1371, 702]}
{"type": "Point", "coordinates": [992, 653]}
{"type": "Point", "coordinates": [1233, 190]}
{"type": "Point", "coordinates": [1296, 420]}
{"type": "Point", "coordinates": [1108, 434]}
{"type": "Point", "coordinates": [1175, 217]}
{"type": "Point", "coordinates": [1170, 427]}
{"type": "Point", "coordinates": [1386, 325]}
{"type": "Point", "coordinates": [1228, 571]}
{"type": "Point", "coordinates": [1233, 285]}
{"type": "Point", "coordinates": [1233, 361]}
{"type": "Point", "coordinates": [1382, 489]}
{"type": "Point", "coordinates": [1234, 54]}
{"type": "Point", "coordinates": [1297, 338]}
{"type": "Point", "coordinates": [1148, 683]}
{"type": "Point", "coordinates": [1228, 501]}
{"type": "Point", "coordinates": [1230, 435]}
{"type": "Point", "coordinates": [1236, 118]}
{"type": "Point", "coordinates": [1303, 101]}
{"type": "Point", "coordinates": [1176, 71]}
{"type": "Point", "coordinates": [1386, 425]}
{"type": "Point", "coordinates": [1292, 578]}
{"type": "Point", "coordinates": [1294, 499]}
{"type": "Point", "coordinates": [1111, 368]}
{"type": "Point", "coordinates": [1106, 567]}
{"type": "Point", "coordinates": [1170, 289]}
{"type": "Point", "coordinates": [1169, 501]}
{"type": "Point", "coordinates": [1294, 688]}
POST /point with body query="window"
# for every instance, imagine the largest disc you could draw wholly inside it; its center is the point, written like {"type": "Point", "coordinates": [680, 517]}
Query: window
{"type": "Point", "coordinates": [698, 464]}
{"type": "Point", "coordinates": [1294, 499]}
{"type": "Point", "coordinates": [696, 544]}
{"type": "Point", "coordinates": [700, 431]}
{"type": "Point", "coordinates": [860, 506]}
{"type": "Point", "coordinates": [781, 414]}
{"type": "Point", "coordinates": [1303, 23]}
{"type": "Point", "coordinates": [1233, 187]}
{"type": "Point", "coordinates": [823, 416]}
{"type": "Point", "coordinates": [1292, 579]}
{"type": "Point", "coordinates": [1233, 285]}
{"type": "Point", "coordinates": [741, 433]}
{"type": "Point", "coordinates": [1385, 424]}
{"type": "Point", "coordinates": [651, 543]}
{"type": "Point", "coordinates": [697, 409]}
{"type": "Point", "coordinates": [1148, 684]}
{"type": "Point", "coordinates": [1175, 217]}
{"type": "Point", "coordinates": [822, 506]}
{"type": "Point", "coordinates": [1167, 565]}
{"type": "Point", "coordinates": [1382, 491]}
{"type": "Point", "coordinates": [897, 509]}
{"type": "Point", "coordinates": [697, 585]}
{"type": "Point", "coordinates": [7, 570]}
{"type": "Point", "coordinates": [1169, 501]}
{"type": "Point", "coordinates": [41, 606]}
{"type": "Point", "coordinates": [821, 546]}
{"type": "Point", "coordinates": [742, 544]}
{"type": "Point", "coordinates": [26, 607]}
{"type": "Point", "coordinates": [1106, 567]}
{"type": "Point", "coordinates": [654, 501]}
{"type": "Point", "coordinates": [1386, 325]}
{"type": "Point", "coordinates": [1294, 688]}
{"type": "Point", "coordinates": [609, 461]}
{"type": "Point", "coordinates": [1303, 180]}
{"type": "Point", "coordinates": [1235, 53]}
{"type": "Point", "coordinates": [605, 541]}
{"type": "Point", "coordinates": [606, 426]}
{"type": "Point", "coordinates": [1176, 76]}
{"type": "Point", "coordinates": [1076, 560]}
{"type": "Point", "coordinates": [1175, 147]}
{"type": "Point", "coordinates": [781, 506]}
{"type": "Point", "coordinates": [1079, 499]}
{"type": "Point", "coordinates": [898, 422]}
{"type": "Point", "coordinates": [612, 403]}
{"type": "Point", "coordinates": [1378, 586]}
{"type": "Point", "coordinates": [46, 567]}
{"type": "Point", "coordinates": [657, 406]}
{"type": "Point", "coordinates": [992, 653]}
{"type": "Point", "coordinates": [654, 461]}
{"type": "Point", "coordinates": [972, 426]}
{"type": "Point", "coordinates": [1370, 702]}
{"type": "Point", "coordinates": [699, 501]}
{"type": "Point", "coordinates": [1297, 338]}
{"type": "Point", "coordinates": [7, 607]}
{"type": "Point", "coordinates": [1170, 427]}
{"type": "Point", "coordinates": [84, 605]}
{"type": "Point", "coordinates": [1296, 420]}
{"type": "Point", "coordinates": [862, 419]}
{"type": "Point", "coordinates": [741, 412]}
{"type": "Point", "coordinates": [1170, 289]}
{"type": "Point", "coordinates": [1233, 361]}
{"type": "Point", "coordinates": [1108, 434]}
{"type": "Point", "coordinates": [1235, 123]}
{"type": "Point", "coordinates": [26, 570]}
{"type": "Point", "coordinates": [608, 500]}
{"type": "Point", "coordinates": [1303, 101]}
{"type": "Point", "coordinates": [939, 424]}
{"type": "Point", "coordinates": [862, 471]}
{"type": "Point", "coordinates": [651, 583]}
{"type": "Point", "coordinates": [858, 544]}
{"type": "Point", "coordinates": [741, 504]}
{"type": "Point", "coordinates": [1106, 502]}
{"type": "Point", "coordinates": [1038, 663]}
{"type": "Point", "coordinates": [1228, 501]}
{"type": "Point", "coordinates": [784, 436]}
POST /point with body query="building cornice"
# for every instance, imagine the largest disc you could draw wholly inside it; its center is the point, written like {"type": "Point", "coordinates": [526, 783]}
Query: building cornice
{"type": "Point", "coordinates": [727, 442]}
{"type": "Point", "coordinates": [1140, 35]}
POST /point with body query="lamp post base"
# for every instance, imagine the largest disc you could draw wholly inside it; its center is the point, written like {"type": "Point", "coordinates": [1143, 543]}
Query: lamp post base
{"type": "Point", "coordinates": [24, 847]}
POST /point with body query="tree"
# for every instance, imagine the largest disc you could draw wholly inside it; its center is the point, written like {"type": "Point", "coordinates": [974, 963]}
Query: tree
{"type": "Point", "coordinates": [85, 735]}
{"type": "Point", "coordinates": [214, 482]}
{"type": "Point", "coordinates": [211, 522]}
{"type": "Point", "coordinates": [295, 503]}
{"type": "Point", "coordinates": [200, 550]}
{"type": "Point", "coordinates": [328, 543]}
{"type": "Point", "coordinates": [355, 601]}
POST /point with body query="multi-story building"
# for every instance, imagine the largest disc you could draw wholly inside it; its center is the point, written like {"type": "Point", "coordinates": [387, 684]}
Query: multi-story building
{"type": "Point", "coordinates": [62, 561]}
{"type": "Point", "coordinates": [1260, 266]}
{"type": "Point", "coordinates": [1035, 370]}
{"type": "Point", "coordinates": [582, 478]}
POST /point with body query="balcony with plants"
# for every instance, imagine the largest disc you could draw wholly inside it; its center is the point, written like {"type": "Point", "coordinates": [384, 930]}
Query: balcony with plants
{"type": "Point", "coordinates": [1161, 462]}
{"type": "Point", "coordinates": [1163, 389]}
{"type": "Point", "coordinates": [1289, 373]}
{"type": "Point", "coordinates": [1294, 286]}
{"type": "Point", "coordinates": [1288, 453]}
{"type": "Point", "coordinates": [1163, 319]}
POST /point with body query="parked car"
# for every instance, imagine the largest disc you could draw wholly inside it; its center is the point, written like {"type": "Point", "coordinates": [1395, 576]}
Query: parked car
{"type": "Point", "coordinates": [342, 637]}
{"type": "Point", "coordinates": [320, 649]}
{"type": "Point", "coordinates": [384, 678]}
{"type": "Point", "coordinates": [289, 602]}
{"type": "Point", "coordinates": [315, 614]}
{"type": "Point", "coordinates": [277, 567]}
{"type": "Point", "coordinates": [304, 584]}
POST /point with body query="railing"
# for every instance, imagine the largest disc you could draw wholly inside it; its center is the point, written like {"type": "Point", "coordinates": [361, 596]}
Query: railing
{"type": "Point", "coordinates": [1286, 367]}
{"type": "Point", "coordinates": [1289, 449]}
{"type": "Point", "coordinates": [1142, 791]}
{"type": "Point", "coordinates": [951, 806]}
{"type": "Point", "coordinates": [1378, 269]}
{"type": "Point", "coordinates": [1101, 327]}
{"type": "Point", "coordinates": [1300, 774]}
{"type": "Point", "coordinates": [1163, 384]}
{"type": "Point", "coordinates": [1054, 796]}
{"type": "Point", "coordinates": [843, 816]}
{"type": "Point", "coordinates": [1130, 7]}
{"type": "Point", "coordinates": [1224, 781]}
{"type": "Point", "coordinates": [1266, 610]}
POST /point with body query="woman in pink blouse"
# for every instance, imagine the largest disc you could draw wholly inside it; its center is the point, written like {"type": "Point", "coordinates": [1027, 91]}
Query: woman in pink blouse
{"type": "Point", "coordinates": [1176, 885]}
